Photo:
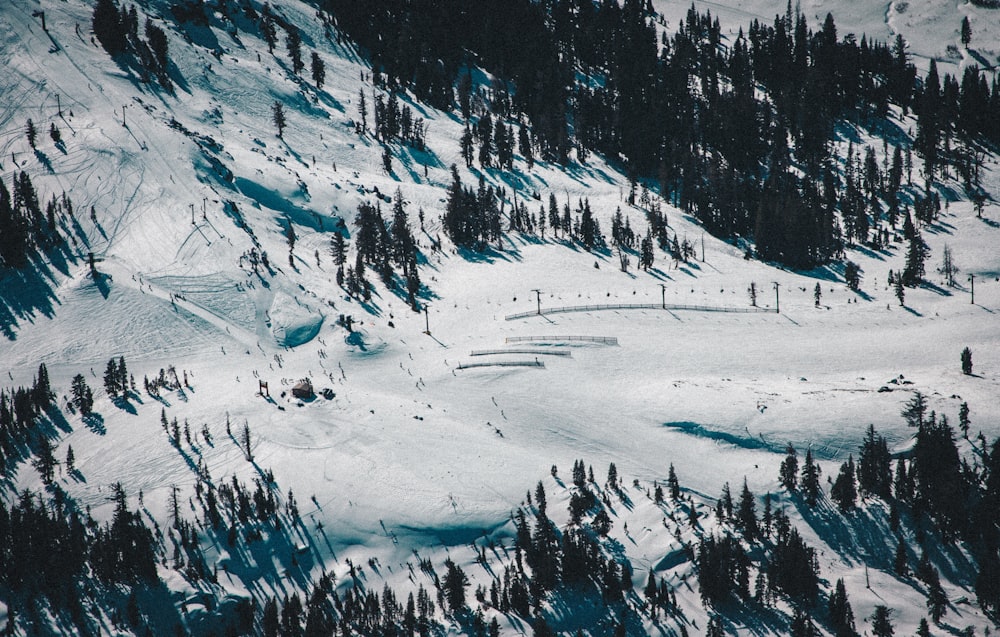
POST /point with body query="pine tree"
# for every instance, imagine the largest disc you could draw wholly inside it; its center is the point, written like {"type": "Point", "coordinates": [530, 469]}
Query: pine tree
{"type": "Point", "coordinates": [673, 486]}
{"type": "Point", "coordinates": [31, 132]}
{"type": "Point", "coordinates": [874, 466]}
{"type": "Point", "coordinates": [746, 516]}
{"type": "Point", "coordinates": [841, 615]}
{"type": "Point", "coordinates": [843, 491]}
{"type": "Point", "coordinates": [788, 474]}
{"type": "Point", "coordinates": [278, 117]}
{"type": "Point", "coordinates": [948, 267]}
{"type": "Point", "coordinates": [294, 44]}
{"type": "Point", "coordinates": [966, 32]}
{"type": "Point", "coordinates": [70, 459]}
{"type": "Point", "coordinates": [318, 70]}
{"type": "Point", "coordinates": [966, 361]}
{"type": "Point", "coordinates": [900, 563]}
{"type": "Point", "coordinates": [107, 25]}
{"type": "Point", "coordinates": [810, 479]}
{"type": "Point", "coordinates": [245, 442]}
{"type": "Point", "coordinates": [45, 461]}
{"type": "Point", "coordinates": [963, 419]}
{"type": "Point", "coordinates": [881, 624]}
{"type": "Point", "coordinates": [915, 410]}
{"type": "Point", "coordinates": [55, 134]}
{"type": "Point", "coordinates": [454, 584]}
{"type": "Point", "coordinates": [111, 385]}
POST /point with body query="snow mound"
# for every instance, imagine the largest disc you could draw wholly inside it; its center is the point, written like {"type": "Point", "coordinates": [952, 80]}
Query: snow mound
{"type": "Point", "coordinates": [292, 322]}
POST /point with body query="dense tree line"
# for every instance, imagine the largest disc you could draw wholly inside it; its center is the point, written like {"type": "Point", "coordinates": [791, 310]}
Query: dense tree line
{"type": "Point", "coordinates": [685, 109]}
{"type": "Point", "coordinates": [24, 225]}
{"type": "Point", "coordinates": [117, 29]}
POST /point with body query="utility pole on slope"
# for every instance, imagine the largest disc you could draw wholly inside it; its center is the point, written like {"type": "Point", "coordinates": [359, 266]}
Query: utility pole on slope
{"type": "Point", "coordinates": [777, 300]}
{"type": "Point", "coordinates": [192, 213]}
{"type": "Point", "coordinates": [972, 285]}
{"type": "Point", "coordinates": [663, 295]}
{"type": "Point", "coordinates": [204, 209]}
{"type": "Point", "coordinates": [124, 106]}
{"type": "Point", "coordinates": [538, 299]}
{"type": "Point", "coordinates": [427, 321]}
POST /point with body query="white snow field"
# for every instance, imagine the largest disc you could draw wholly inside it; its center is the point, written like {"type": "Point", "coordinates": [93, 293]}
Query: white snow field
{"type": "Point", "coordinates": [423, 448]}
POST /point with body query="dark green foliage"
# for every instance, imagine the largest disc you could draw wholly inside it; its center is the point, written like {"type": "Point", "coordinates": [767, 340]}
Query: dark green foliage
{"type": "Point", "coordinates": [874, 466]}
{"type": "Point", "coordinates": [810, 479]}
{"type": "Point", "coordinates": [31, 133]}
{"type": "Point", "coordinates": [318, 69]}
{"type": "Point", "coordinates": [294, 44]}
{"type": "Point", "coordinates": [841, 615]}
{"type": "Point", "coordinates": [722, 569]}
{"type": "Point", "coordinates": [900, 564]}
{"type": "Point", "coordinates": [794, 568]}
{"type": "Point", "coordinates": [941, 487]}
{"type": "Point", "coordinates": [915, 410]}
{"type": "Point", "coordinates": [852, 275]}
{"type": "Point", "coordinates": [746, 514]}
{"type": "Point", "coordinates": [843, 491]}
{"type": "Point", "coordinates": [881, 623]}
{"type": "Point", "coordinates": [802, 625]}
{"type": "Point", "coordinates": [788, 474]}
{"type": "Point", "coordinates": [967, 361]}
{"type": "Point", "coordinates": [108, 26]}
{"type": "Point", "coordinates": [278, 117]}
{"type": "Point", "coordinates": [158, 44]}
{"type": "Point", "coordinates": [673, 485]}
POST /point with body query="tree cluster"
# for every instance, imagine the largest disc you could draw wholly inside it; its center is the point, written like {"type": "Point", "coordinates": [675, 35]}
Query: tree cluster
{"type": "Point", "coordinates": [117, 29]}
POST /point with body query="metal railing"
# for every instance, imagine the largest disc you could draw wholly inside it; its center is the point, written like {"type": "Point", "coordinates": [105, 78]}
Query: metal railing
{"type": "Point", "coordinates": [502, 364]}
{"type": "Point", "coordinates": [640, 306]}
{"type": "Point", "coordinates": [530, 352]}
{"type": "Point", "coordinates": [605, 340]}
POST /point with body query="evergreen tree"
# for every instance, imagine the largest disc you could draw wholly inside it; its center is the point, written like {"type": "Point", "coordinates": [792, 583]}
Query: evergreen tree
{"type": "Point", "coordinates": [810, 479]}
{"type": "Point", "coordinates": [294, 44]}
{"type": "Point", "coordinates": [278, 117]}
{"type": "Point", "coordinates": [158, 45]}
{"type": "Point", "coordinates": [31, 132]}
{"type": "Point", "coordinates": [83, 397]}
{"type": "Point", "coordinates": [788, 474]}
{"type": "Point", "coordinates": [45, 461]}
{"type": "Point", "coordinates": [963, 419]}
{"type": "Point", "coordinates": [874, 466]}
{"type": "Point", "coordinates": [843, 491]}
{"type": "Point", "coordinates": [802, 625]}
{"type": "Point", "coordinates": [881, 623]}
{"type": "Point", "coordinates": [914, 410]}
{"type": "Point", "coordinates": [900, 563]}
{"type": "Point", "coordinates": [966, 361]}
{"type": "Point", "coordinates": [673, 485]}
{"type": "Point", "coordinates": [318, 70]}
{"type": "Point", "coordinates": [454, 584]}
{"type": "Point", "coordinates": [941, 487]}
{"type": "Point", "coordinates": [107, 25]}
{"type": "Point", "coordinates": [966, 32]}
{"type": "Point", "coordinates": [746, 516]}
{"type": "Point", "coordinates": [111, 384]}
{"type": "Point", "coordinates": [841, 615]}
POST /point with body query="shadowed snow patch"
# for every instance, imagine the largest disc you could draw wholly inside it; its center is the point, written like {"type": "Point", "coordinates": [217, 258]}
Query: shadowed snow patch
{"type": "Point", "coordinates": [293, 323]}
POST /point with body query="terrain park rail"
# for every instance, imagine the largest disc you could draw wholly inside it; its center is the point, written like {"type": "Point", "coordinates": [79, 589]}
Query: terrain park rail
{"type": "Point", "coordinates": [520, 350]}
{"type": "Point", "coordinates": [640, 306]}
{"type": "Point", "coordinates": [502, 364]}
{"type": "Point", "coordinates": [604, 340]}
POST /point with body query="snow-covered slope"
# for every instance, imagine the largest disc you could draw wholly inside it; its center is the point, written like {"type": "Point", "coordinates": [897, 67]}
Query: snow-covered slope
{"type": "Point", "coordinates": [419, 449]}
